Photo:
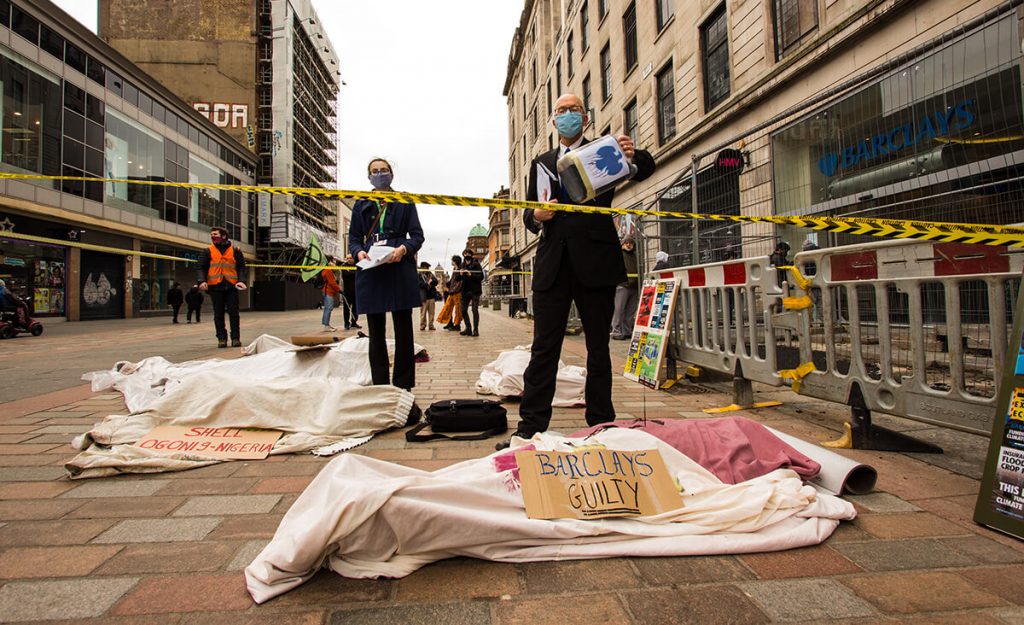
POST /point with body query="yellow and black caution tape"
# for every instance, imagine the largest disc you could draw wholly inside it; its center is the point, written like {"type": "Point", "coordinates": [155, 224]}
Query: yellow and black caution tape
{"type": "Point", "coordinates": [975, 234]}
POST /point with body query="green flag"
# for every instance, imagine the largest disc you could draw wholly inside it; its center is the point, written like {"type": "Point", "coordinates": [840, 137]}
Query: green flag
{"type": "Point", "coordinates": [314, 257]}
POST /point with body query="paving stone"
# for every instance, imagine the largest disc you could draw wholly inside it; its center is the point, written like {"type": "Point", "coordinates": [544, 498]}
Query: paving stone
{"type": "Point", "coordinates": [983, 550]}
{"type": "Point", "coordinates": [36, 509]}
{"type": "Point", "coordinates": [28, 562]}
{"type": "Point", "coordinates": [120, 507]}
{"type": "Point", "coordinates": [169, 558]}
{"type": "Point", "coordinates": [31, 474]}
{"type": "Point", "coordinates": [908, 525]}
{"type": "Point", "coordinates": [24, 449]}
{"type": "Point", "coordinates": [708, 605]}
{"type": "Point", "coordinates": [116, 488]}
{"type": "Point", "coordinates": [278, 469]}
{"type": "Point", "coordinates": [78, 428]}
{"type": "Point", "coordinates": [227, 504]}
{"type": "Point", "coordinates": [42, 533]}
{"type": "Point", "coordinates": [327, 588]}
{"type": "Point", "coordinates": [210, 486]}
{"type": "Point", "coordinates": [222, 470]}
{"type": "Point", "coordinates": [33, 490]}
{"type": "Point", "coordinates": [194, 593]}
{"type": "Point", "coordinates": [158, 530]}
{"type": "Point", "coordinates": [819, 561]}
{"type": "Point", "coordinates": [893, 555]}
{"type": "Point", "coordinates": [13, 439]}
{"type": "Point", "coordinates": [459, 579]}
{"type": "Point", "coordinates": [465, 613]}
{"type": "Point", "coordinates": [882, 502]}
{"type": "Point", "coordinates": [246, 554]}
{"type": "Point", "coordinates": [18, 429]}
{"type": "Point", "coordinates": [247, 527]}
{"type": "Point", "coordinates": [1002, 580]}
{"type": "Point", "coordinates": [599, 609]}
{"type": "Point", "coordinates": [1009, 616]}
{"type": "Point", "coordinates": [914, 591]}
{"type": "Point", "coordinates": [28, 461]}
{"type": "Point", "coordinates": [48, 600]}
{"type": "Point", "coordinates": [848, 532]}
{"type": "Point", "coordinates": [806, 599]}
{"type": "Point", "coordinates": [256, 618]}
{"type": "Point", "coordinates": [690, 570]}
{"type": "Point", "coordinates": [579, 575]}
{"type": "Point", "coordinates": [295, 484]}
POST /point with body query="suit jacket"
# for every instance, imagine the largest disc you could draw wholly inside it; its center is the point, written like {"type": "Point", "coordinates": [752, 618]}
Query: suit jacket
{"type": "Point", "coordinates": [590, 239]}
{"type": "Point", "coordinates": [394, 286]}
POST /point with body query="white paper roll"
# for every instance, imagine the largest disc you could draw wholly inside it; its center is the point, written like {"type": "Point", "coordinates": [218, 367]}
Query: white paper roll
{"type": "Point", "coordinates": [838, 473]}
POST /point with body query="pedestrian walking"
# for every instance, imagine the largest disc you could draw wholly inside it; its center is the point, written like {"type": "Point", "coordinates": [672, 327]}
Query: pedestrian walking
{"type": "Point", "coordinates": [348, 294]}
{"type": "Point", "coordinates": [626, 294]}
{"type": "Point", "coordinates": [391, 287]}
{"type": "Point", "coordinates": [175, 297]}
{"type": "Point", "coordinates": [332, 294]}
{"type": "Point", "coordinates": [194, 302]}
{"type": "Point", "coordinates": [222, 273]}
{"type": "Point", "coordinates": [578, 260]}
{"type": "Point", "coordinates": [472, 289]}
{"type": "Point", "coordinates": [428, 293]}
{"type": "Point", "coordinates": [451, 312]}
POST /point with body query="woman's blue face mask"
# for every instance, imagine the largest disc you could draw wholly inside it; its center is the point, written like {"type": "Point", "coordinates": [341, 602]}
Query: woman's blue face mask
{"type": "Point", "coordinates": [381, 180]}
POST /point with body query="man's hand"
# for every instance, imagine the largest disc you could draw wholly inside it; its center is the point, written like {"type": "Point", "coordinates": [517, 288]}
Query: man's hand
{"type": "Point", "coordinates": [541, 215]}
{"type": "Point", "coordinates": [627, 145]}
{"type": "Point", "coordinates": [362, 255]}
{"type": "Point", "coordinates": [203, 286]}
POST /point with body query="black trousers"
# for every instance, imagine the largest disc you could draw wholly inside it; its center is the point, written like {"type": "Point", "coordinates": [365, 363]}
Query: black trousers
{"type": "Point", "coordinates": [469, 299]}
{"type": "Point", "coordinates": [405, 359]}
{"type": "Point", "coordinates": [225, 300]}
{"type": "Point", "coordinates": [550, 317]}
{"type": "Point", "coordinates": [188, 315]}
{"type": "Point", "coordinates": [176, 308]}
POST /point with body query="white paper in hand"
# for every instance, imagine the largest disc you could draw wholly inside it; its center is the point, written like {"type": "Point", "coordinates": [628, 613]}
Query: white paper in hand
{"type": "Point", "coordinates": [378, 256]}
{"type": "Point", "coordinates": [544, 182]}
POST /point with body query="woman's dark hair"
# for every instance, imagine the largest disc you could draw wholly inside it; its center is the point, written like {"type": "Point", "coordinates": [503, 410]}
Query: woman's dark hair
{"type": "Point", "coordinates": [457, 261]}
{"type": "Point", "coordinates": [382, 160]}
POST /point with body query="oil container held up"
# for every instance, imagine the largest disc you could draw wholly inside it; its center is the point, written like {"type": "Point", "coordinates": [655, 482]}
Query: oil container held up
{"type": "Point", "coordinates": [594, 168]}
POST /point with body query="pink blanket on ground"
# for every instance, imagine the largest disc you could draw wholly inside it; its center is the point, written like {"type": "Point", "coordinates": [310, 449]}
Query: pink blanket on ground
{"type": "Point", "coordinates": [735, 449]}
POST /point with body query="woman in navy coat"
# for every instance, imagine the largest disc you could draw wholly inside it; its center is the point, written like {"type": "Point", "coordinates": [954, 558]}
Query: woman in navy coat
{"type": "Point", "coordinates": [392, 287]}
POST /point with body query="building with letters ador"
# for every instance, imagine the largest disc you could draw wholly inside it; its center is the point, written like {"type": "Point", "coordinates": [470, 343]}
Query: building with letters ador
{"type": "Point", "coordinates": [881, 108]}
{"type": "Point", "coordinates": [72, 105]}
{"type": "Point", "coordinates": [264, 70]}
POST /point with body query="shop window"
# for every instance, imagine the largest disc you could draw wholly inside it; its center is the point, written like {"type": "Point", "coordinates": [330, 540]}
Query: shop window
{"type": "Point", "coordinates": [25, 25]}
{"type": "Point", "coordinates": [74, 98]}
{"type": "Point", "coordinates": [31, 114]}
{"type": "Point", "coordinates": [94, 135]}
{"type": "Point", "coordinates": [606, 73]}
{"type": "Point", "coordinates": [74, 153]}
{"type": "Point", "coordinates": [95, 71]}
{"type": "Point", "coordinates": [629, 36]}
{"type": "Point", "coordinates": [794, 20]}
{"type": "Point", "coordinates": [74, 57]}
{"type": "Point", "coordinates": [714, 43]}
{"type": "Point", "coordinates": [5, 13]}
{"type": "Point", "coordinates": [74, 125]}
{"type": "Point", "coordinates": [207, 206]}
{"type": "Point", "coordinates": [132, 152]}
{"type": "Point", "coordinates": [666, 104]}
{"type": "Point", "coordinates": [51, 43]}
{"type": "Point", "coordinates": [630, 120]}
{"type": "Point", "coordinates": [94, 109]}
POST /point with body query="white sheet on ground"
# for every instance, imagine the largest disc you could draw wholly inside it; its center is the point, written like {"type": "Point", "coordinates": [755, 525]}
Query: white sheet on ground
{"type": "Point", "coordinates": [313, 412]}
{"type": "Point", "coordinates": [504, 377]}
{"type": "Point", "coordinates": [145, 381]}
{"type": "Point", "coordinates": [366, 518]}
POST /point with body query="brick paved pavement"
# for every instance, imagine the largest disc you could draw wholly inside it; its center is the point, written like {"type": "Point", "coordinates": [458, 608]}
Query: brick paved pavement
{"type": "Point", "coordinates": [169, 548]}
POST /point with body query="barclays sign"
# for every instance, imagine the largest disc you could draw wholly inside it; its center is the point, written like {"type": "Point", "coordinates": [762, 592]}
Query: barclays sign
{"type": "Point", "coordinates": [899, 138]}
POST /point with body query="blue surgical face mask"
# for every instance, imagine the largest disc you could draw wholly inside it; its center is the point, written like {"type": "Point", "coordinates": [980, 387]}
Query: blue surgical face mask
{"type": "Point", "coordinates": [381, 180]}
{"type": "Point", "coordinates": [569, 124]}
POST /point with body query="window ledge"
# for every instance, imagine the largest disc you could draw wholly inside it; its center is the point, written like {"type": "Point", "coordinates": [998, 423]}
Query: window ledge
{"type": "Point", "coordinates": [630, 71]}
{"type": "Point", "coordinates": [668, 24]}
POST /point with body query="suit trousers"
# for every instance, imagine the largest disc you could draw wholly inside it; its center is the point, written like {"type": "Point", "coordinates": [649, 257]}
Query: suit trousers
{"type": "Point", "coordinates": [550, 317]}
{"type": "Point", "coordinates": [225, 300]}
{"type": "Point", "coordinates": [405, 358]}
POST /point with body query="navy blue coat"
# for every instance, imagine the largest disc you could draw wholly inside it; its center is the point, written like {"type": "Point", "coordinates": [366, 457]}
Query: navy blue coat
{"type": "Point", "coordinates": [394, 286]}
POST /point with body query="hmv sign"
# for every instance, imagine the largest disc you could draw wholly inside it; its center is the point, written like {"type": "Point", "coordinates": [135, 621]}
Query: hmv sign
{"type": "Point", "coordinates": [224, 115]}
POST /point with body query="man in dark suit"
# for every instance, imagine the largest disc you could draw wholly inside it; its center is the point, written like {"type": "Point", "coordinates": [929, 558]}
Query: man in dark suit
{"type": "Point", "coordinates": [579, 260]}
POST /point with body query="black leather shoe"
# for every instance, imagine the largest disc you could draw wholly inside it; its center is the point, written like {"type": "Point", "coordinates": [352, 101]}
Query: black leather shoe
{"type": "Point", "coordinates": [466, 333]}
{"type": "Point", "coordinates": [476, 333]}
{"type": "Point", "coordinates": [222, 342]}
{"type": "Point", "coordinates": [236, 343]}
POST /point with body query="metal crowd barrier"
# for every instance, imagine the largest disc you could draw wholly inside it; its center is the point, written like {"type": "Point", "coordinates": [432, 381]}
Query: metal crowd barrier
{"type": "Point", "coordinates": [723, 321]}
{"type": "Point", "coordinates": [916, 330]}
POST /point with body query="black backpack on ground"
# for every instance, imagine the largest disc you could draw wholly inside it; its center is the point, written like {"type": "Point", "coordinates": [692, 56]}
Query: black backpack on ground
{"type": "Point", "coordinates": [488, 417]}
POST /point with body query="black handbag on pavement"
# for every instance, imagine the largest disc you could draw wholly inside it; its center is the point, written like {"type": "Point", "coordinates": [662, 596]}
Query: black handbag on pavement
{"type": "Point", "coordinates": [485, 416]}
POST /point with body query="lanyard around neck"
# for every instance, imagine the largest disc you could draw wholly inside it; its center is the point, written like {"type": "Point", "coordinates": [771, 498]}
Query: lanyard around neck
{"type": "Point", "coordinates": [383, 210]}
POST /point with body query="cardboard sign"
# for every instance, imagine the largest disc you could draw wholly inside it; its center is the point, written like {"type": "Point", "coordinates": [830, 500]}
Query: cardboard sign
{"type": "Point", "coordinates": [595, 484]}
{"type": "Point", "coordinates": [226, 443]}
{"type": "Point", "coordinates": [323, 338]}
{"type": "Point", "coordinates": [651, 332]}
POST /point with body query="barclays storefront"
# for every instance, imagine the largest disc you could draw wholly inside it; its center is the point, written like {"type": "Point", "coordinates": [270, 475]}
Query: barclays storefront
{"type": "Point", "coordinates": [941, 138]}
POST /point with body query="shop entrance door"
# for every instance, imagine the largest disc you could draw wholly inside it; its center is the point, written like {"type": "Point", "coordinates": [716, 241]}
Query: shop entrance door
{"type": "Point", "coordinates": [102, 286]}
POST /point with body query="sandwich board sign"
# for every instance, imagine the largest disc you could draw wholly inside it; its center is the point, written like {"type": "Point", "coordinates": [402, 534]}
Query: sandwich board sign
{"type": "Point", "coordinates": [651, 331]}
{"type": "Point", "coordinates": [1000, 502]}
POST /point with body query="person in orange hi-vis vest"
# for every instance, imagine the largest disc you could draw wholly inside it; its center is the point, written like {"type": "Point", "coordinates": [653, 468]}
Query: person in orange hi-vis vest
{"type": "Point", "coordinates": [222, 273]}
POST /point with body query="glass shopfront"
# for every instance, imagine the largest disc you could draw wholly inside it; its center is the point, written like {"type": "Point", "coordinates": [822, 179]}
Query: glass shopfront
{"type": "Point", "coordinates": [133, 152]}
{"type": "Point", "coordinates": [157, 276]}
{"type": "Point", "coordinates": [940, 139]}
{"type": "Point", "coordinates": [36, 273]}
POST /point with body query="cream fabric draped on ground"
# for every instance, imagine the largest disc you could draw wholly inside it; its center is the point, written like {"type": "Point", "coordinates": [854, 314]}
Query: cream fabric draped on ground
{"type": "Point", "coordinates": [504, 377]}
{"type": "Point", "coordinates": [366, 518]}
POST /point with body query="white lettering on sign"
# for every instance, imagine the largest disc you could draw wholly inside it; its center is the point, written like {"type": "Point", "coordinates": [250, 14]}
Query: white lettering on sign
{"type": "Point", "coordinates": [224, 115]}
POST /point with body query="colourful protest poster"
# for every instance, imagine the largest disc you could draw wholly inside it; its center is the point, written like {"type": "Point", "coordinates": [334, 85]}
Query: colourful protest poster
{"type": "Point", "coordinates": [651, 331]}
{"type": "Point", "coordinates": [595, 483]}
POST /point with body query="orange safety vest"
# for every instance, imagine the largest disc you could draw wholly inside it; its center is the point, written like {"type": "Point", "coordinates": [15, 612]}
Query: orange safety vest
{"type": "Point", "coordinates": [222, 266]}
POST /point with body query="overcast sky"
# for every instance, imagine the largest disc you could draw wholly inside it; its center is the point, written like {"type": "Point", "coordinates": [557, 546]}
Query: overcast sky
{"type": "Point", "coordinates": [424, 91]}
